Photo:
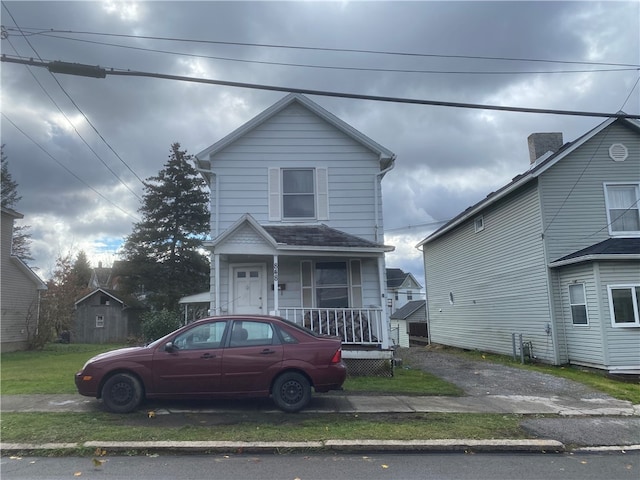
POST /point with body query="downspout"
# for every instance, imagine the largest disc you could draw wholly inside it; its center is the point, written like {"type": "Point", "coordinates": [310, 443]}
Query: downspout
{"type": "Point", "coordinates": [382, 274]}
{"type": "Point", "coordinates": [378, 183]}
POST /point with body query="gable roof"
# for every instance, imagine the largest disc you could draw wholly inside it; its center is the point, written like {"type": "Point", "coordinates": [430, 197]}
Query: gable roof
{"type": "Point", "coordinates": [203, 159]}
{"type": "Point", "coordinates": [610, 249]}
{"type": "Point", "coordinates": [535, 170]}
{"type": "Point", "coordinates": [30, 274]}
{"type": "Point", "coordinates": [396, 277]}
{"type": "Point", "coordinates": [302, 237]}
{"type": "Point", "coordinates": [409, 309]}
{"type": "Point", "coordinates": [119, 297]}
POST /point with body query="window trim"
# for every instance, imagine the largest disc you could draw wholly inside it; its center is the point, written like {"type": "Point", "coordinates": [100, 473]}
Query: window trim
{"type": "Point", "coordinates": [635, 291]}
{"type": "Point", "coordinates": [571, 305]}
{"type": "Point", "coordinates": [478, 223]}
{"type": "Point", "coordinates": [313, 193]}
{"type": "Point", "coordinates": [620, 233]}
{"type": "Point", "coordinates": [99, 321]}
{"type": "Point", "coordinates": [275, 194]}
{"type": "Point", "coordinates": [309, 285]}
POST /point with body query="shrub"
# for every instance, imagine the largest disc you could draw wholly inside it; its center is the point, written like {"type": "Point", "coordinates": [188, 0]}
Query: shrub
{"type": "Point", "coordinates": [158, 324]}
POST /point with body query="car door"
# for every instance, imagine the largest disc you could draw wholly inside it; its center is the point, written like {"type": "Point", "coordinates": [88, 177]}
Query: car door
{"type": "Point", "coordinates": [251, 358]}
{"type": "Point", "coordinates": [192, 366]}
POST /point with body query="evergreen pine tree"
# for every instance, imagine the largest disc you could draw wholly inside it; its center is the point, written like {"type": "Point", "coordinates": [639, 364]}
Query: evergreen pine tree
{"type": "Point", "coordinates": [21, 241]}
{"type": "Point", "coordinates": [164, 251]}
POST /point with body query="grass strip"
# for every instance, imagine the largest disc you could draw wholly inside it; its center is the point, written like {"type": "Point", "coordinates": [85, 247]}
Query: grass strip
{"type": "Point", "coordinates": [82, 427]}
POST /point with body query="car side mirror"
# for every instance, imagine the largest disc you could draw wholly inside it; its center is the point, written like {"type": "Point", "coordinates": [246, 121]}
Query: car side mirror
{"type": "Point", "coordinates": [170, 347]}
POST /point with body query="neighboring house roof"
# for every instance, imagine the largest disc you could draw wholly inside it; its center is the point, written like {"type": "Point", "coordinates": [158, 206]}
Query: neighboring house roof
{"type": "Point", "coordinates": [396, 277]}
{"type": "Point", "coordinates": [611, 249]}
{"type": "Point", "coordinates": [303, 237]}
{"type": "Point", "coordinates": [12, 212]}
{"type": "Point", "coordinates": [386, 156]}
{"type": "Point", "coordinates": [119, 297]}
{"type": "Point", "coordinates": [408, 309]}
{"type": "Point", "coordinates": [202, 297]}
{"type": "Point", "coordinates": [100, 277]}
{"type": "Point", "coordinates": [536, 169]}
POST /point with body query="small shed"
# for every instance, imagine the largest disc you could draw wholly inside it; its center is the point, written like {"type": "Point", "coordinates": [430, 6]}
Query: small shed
{"type": "Point", "coordinates": [412, 312]}
{"type": "Point", "coordinates": [106, 316]}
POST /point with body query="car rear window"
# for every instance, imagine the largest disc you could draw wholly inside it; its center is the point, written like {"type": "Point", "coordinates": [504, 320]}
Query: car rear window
{"type": "Point", "coordinates": [299, 327]}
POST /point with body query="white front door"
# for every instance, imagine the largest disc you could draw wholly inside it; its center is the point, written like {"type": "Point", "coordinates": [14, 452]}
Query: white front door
{"type": "Point", "coordinates": [249, 289]}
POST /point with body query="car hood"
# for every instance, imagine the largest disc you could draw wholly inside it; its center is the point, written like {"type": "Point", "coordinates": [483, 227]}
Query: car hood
{"type": "Point", "coordinates": [121, 352]}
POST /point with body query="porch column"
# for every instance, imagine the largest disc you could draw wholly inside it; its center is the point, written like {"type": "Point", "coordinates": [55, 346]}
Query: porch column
{"type": "Point", "coordinates": [382, 276]}
{"type": "Point", "coordinates": [216, 276]}
{"type": "Point", "coordinates": [276, 286]}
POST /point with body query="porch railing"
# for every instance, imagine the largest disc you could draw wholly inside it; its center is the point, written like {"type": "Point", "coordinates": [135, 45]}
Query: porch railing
{"type": "Point", "coordinates": [356, 326]}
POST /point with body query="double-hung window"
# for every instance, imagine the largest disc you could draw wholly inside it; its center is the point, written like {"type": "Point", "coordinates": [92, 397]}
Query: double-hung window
{"type": "Point", "coordinates": [623, 208]}
{"type": "Point", "coordinates": [331, 284]}
{"type": "Point", "coordinates": [577, 300]}
{"type": "Point", "coordinates": [624, 305]}
{"type": "Point", "coordinates": [298, 194]}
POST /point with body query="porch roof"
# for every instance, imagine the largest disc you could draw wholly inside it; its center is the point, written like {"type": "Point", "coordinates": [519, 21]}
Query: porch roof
{"type": "Point", "coordinates": [299, 238]}
{"type": "Point", "coordinates": [610, 249]}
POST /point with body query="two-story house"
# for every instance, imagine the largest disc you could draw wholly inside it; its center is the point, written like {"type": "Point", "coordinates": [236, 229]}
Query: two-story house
{"type": "Point", "coordinates": [20, 292]}
{"type": "Point", "coordinates": [553, 256]}
{"type": "Point", "coordinates": [296, 223]}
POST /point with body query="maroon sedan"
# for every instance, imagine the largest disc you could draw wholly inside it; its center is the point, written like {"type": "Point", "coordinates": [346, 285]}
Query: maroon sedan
{"type": "Point", "coordinates": [234, 356]}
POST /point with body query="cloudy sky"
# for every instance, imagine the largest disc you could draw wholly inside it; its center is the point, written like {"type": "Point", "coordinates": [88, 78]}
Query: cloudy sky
{"type": "Point", "coordinates": [79, 147]}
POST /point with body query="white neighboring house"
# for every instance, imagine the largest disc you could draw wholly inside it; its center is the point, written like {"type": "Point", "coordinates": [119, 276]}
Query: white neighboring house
{"type": "Point", "coordinates": [20, 292]}
{"type": "Point", "coordinates": [296, 223]}
{"type": "Point", "coordinates": [554, 256]}
{"type": "Point", "coordinates": [402, 288]}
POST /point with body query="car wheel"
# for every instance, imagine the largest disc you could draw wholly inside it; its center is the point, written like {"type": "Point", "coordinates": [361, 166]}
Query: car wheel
{"type": "Point", "coordinates": [122, 393]}
{"type": "Point", "coordinates": [291, 392]}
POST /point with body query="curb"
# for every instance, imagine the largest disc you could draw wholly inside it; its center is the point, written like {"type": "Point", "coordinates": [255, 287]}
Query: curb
{"type": "Point", "coordinates": [445, 445]}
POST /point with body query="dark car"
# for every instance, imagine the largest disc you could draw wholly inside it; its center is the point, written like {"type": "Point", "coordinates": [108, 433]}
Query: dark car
{"type": "Point", "coordinates": [233, 356]}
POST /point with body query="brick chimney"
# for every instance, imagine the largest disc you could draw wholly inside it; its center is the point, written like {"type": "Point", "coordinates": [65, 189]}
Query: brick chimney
{"type": "Point", "coordinates": [541, 143]}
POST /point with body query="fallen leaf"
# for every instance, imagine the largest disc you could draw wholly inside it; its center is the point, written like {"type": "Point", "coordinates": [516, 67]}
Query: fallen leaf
{"type": "Point", "coordinates": [77, 474]}
{"type": "Point", "coordinates": [97, 462]}
{"type": "Point", "coordinates": [15, 458]}
{"type": "Point", "coordinates": [384, 466]}
{"type": "Point", "coordinates": [100, 452]}
{"type": "Point", "coordinates": [151, 414]}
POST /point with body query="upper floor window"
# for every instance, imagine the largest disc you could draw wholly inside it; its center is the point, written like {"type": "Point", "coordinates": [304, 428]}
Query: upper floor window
{"type": "Point", "coordinates": [623, 208]}
{"type": "Point", "coordinates": [409, 295]}
{"type": "Point", "coordinates": [478, 224]}
{"type": "Point", "coordinates": [298, 194]}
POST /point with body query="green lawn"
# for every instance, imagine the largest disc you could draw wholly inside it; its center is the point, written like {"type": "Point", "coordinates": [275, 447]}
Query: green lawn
{"type": "Point", "coordinates": [47, 371]}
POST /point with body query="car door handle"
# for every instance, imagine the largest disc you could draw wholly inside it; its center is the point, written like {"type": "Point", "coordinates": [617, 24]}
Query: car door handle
{"type": "Point", "coordinates": [207, 356]}
{"type": "Point", "coordinates": [267, 351]}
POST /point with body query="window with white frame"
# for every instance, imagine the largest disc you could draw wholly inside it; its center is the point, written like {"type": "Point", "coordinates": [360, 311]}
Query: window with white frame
{"type": "Point", "coordinates": [298, 194]}
{"type": "Point", "coordinates": [623, 208]}
{"type": "Point", "coordinates": [478, 224]}
{"type": "Point", "coordinates": [331, 284]}
{"type": "Point", "coordinates": [99, 321]}
{"type": "Point", "coordinates": [624, 305]}
{"type": "Point", "coordinates": [578, 302]}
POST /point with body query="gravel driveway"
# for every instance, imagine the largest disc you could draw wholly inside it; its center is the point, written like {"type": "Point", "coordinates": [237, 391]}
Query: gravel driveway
{"type": "Point", "coordinates": [477, 377]}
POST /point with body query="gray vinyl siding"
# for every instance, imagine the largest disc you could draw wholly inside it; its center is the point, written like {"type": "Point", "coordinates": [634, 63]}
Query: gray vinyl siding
{"type": "Point", "coordinates": [584, 342]}
{"type": "Point", "coordinates": [572, 191]}
{"type": "Point", "coordinates": [498, 279]}
{"type": "Point", "coordinates": [19, 299]}
{"type": "Point", "coordinates": [622, 343]}
{"type": "Point", "coordinates": [293, 138]}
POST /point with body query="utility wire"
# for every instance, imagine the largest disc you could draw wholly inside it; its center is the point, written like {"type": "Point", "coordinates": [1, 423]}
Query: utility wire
{"type": "Point", "coordinates": [70, 172]}
{"type": "Point", "coordinates": [334, 67]}
{"type": "Point", "coordinates": [85, 117]}
{"type": "Point", "coordinates": [99, 72]}
{"type": "Point", "coordinates": [42, 31]}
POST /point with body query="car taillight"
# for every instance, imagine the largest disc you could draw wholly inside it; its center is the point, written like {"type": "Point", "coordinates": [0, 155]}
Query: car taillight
{"type": "Point", "coordinates": [337, 357]}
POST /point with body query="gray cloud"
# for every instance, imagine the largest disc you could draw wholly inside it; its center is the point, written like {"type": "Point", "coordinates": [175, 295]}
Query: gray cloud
{"type": "Point", "coordinates": [448, 158]}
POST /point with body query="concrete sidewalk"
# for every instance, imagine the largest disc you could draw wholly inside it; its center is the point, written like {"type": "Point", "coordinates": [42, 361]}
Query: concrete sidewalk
{"type": "Point", "coordinates": [335, 403]}
{"type": "Point", "coordinates": [593, 424]}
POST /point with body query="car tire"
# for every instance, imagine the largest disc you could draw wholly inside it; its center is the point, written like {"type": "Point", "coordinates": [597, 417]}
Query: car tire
{"type": "Point", "coordinates": [122, 393]}
{"type": "Point", "coordinates": [291, 392]}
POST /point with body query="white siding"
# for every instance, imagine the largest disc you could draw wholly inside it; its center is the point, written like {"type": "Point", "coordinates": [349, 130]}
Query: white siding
{"type": "Point", "coordinates": [497, 277]}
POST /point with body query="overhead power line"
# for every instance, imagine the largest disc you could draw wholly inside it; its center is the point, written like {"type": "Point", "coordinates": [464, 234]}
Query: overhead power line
{"type": "Point", "coordinates": [100, 72]}
{"type": "Point", "coordinates": [350, 68]}
{"type": "Point", "coordinates": [43, 31]}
